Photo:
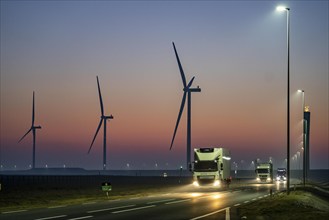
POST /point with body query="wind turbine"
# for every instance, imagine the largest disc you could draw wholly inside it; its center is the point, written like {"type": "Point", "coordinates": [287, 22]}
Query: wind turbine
{"type": "Point", "coordinates": [103, 119]}
{"type": "Point", "coordinates": [187, 91]}
{"type": "Point", "coordinates": [33, 129]}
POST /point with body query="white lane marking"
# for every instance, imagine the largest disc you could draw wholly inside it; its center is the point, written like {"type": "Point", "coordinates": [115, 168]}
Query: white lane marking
{"type": "Point", "coordinates": [211, 213]}
{"type": "Point", "coordinates": [9, 212]}
{"type": "Point", "coordinates": [108, 209]}
{"type": "Point", "coordinates": [246, 201]}
{"type": "Point", "coordinates": [227, 216]}
{"type": "Point", "coordinates": [55, 207]}
{"type": "Point", "coordinates": [159, 201]}
{"type": "Point", "coordinates": [133, 209]}
{"type": "Point", "coordinates": [83, 217]}
{"type": "Point", "coordinates": [88, 203]}
{"type": "Point", "coordinates": [134, 198]}
{"type": "Point", "coordinates": [52, 217]}
{"type": "Point", "coordinates": [184, 200]}
{"type": "Point", "coordinates": [259, 197]}
{"type": "Point", "coordinates": [254, 199]}
{"type": "Point", "coordinates": [237, 204]}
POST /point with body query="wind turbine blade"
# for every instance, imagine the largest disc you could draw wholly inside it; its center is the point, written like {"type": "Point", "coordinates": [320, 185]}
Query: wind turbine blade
{"type": "Point", "coordinates": [99, 126]}
{"type": "Point", "coordinates": [178, 119]}
{"type": "Point", "coordinates": [33, 110]}
{"type": "Point", "coordinates": [190, 83]}
{"type": "Point", "coordinates": [100, 97]}
{"type": "Point", "coordinates": [180, 66]}
{"type": "Point", "coordinates": [25, 135]}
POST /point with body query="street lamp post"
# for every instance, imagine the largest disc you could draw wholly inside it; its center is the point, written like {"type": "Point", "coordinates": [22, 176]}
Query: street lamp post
{"type": "Point", "coordinates": [304, 135]}
{"type": "Point", "coordinates": [282, 8]}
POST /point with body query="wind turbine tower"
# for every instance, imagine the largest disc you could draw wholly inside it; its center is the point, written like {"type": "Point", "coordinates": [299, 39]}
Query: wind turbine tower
{"type": "Point", "coordinates": [104, 118]}
{"type": "Point", "coordinates": [33, 129]}
{"type": "Point", "coordinates": [187, 91]}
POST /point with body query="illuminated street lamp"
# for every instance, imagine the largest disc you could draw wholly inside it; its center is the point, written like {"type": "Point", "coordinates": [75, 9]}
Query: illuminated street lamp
{"type": "Point", "coordinates": [282, 8]}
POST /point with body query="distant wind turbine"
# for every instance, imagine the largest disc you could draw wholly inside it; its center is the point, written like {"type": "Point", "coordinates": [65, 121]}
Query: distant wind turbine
{"type": "Point", "coordinates": [33, 129]}
{"type": "Point", "coordinates": [187, 91]}
{"type": "Point", "coordinates": [103, 119]}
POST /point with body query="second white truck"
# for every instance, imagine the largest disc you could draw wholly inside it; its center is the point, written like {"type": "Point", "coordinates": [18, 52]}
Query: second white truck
{"type": "Point", "coordinates": [211, 166]}
{"type": "Point", "coordinates": [264, 172]}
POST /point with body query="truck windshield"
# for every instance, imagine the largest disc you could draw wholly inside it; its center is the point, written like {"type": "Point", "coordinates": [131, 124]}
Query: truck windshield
{"type": "Point", "coordinates": [205, 166]}
{"type": "Point", "coordinates": [262, 171]}
{"type": "Point", "coordinates": [281, 173]}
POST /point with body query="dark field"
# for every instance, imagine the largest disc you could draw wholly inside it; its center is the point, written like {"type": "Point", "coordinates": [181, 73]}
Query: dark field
{"type": "Point", "coordinates": [33, 191]}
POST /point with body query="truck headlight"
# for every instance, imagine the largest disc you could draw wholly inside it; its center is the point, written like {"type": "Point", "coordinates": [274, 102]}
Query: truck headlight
{"type": "Point", "coordinates": [195, 183]}
{"type": "Point", "coordinates": [216, 183]}
{"type": "Point", "coordinates": [257, 179]}
{"type": "Point", "coordinates": [268, 179]}
{"type": "Point", "coordinates": [277, 178]}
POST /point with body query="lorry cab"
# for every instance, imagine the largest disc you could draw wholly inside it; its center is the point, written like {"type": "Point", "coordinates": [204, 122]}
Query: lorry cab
{"type": "Point", "coordinates": [264, 172]}
{"type": "Point", "coordinates": [281, 175]}
{"type": "Point", "coordinates": [211, 166]}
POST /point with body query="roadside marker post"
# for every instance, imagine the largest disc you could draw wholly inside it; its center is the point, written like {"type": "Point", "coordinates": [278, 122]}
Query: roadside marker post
{"type": "Point", "coordinates": [106, 187]}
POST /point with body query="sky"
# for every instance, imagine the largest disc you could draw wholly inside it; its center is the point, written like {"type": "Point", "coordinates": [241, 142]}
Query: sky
{"type": "Point", "coordinates": [235, 49]}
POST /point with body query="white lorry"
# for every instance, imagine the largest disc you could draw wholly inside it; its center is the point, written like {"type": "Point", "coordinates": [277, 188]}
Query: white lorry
{"type": "Point", "coordinates": [264, 172]}
{"type": "Point", "coordinates": [211, 165]}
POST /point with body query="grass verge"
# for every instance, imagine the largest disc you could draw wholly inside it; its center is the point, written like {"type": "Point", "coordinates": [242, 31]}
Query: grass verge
{"type": "Point", "coordinates": [297, 205]}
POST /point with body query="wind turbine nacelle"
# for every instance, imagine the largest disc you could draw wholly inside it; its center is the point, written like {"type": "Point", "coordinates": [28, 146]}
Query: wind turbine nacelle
{"type": "Point", "coordinates": [37, 127]}
{"type": "Point", "coordinates": [195, 89]}
{"type": "Point", "coordinates": [107, 117]}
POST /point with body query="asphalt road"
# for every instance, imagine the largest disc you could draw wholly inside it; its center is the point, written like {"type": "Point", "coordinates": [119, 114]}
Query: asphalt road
{"type": "Point", "coordinates": [185, 202]}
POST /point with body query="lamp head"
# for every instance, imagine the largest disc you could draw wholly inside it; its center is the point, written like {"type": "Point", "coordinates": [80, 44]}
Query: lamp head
{"type": "Point", "coordinates": [282, 8]}
{"type": "Point", "coordinates": [300, 90]}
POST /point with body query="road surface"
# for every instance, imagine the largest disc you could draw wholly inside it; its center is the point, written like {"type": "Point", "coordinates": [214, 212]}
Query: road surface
{"type": "Point", "coordinates": [185, 202]}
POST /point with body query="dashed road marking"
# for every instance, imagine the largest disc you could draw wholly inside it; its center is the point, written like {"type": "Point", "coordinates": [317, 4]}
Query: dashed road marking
{"type": "Point", "coordinates": [88, 203]}
{"type": "Point", "coordinates": [165, 200]}
{"type": "Point", "coordinates": [134, 209]}
{"type": "Point", "coordinates": [56, 207]}
{"type": "Point", "coordinates": [52, 217]}
{"type": "Point", "coordinates": [108, 209]}
{"type": "Point", "coordinates": [212, 213]}
{"type": "Point", "coordinates": [15, 211]}
{"type": "Point", "coordinates": [83, 217]}
{"type": "Point", "coordinates": [178, 201]}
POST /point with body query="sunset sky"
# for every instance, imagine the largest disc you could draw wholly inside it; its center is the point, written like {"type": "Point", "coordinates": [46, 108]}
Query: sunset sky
{"type": "Point", "coordinates": [235, 49]}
